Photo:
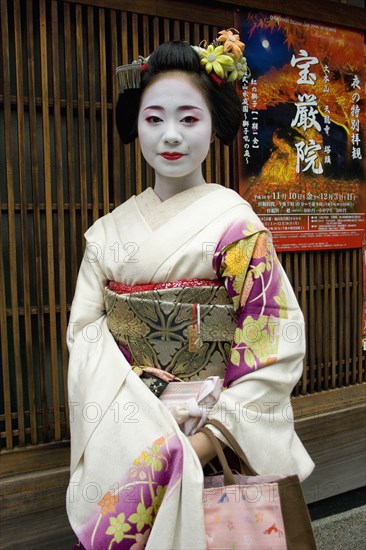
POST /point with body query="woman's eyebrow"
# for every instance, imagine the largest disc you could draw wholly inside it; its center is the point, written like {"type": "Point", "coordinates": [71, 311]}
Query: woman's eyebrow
{"type": "Point", "coordinates": [184, 107]}
{"type": "Point", "coordinates": [180, 108]}
{"type": "Point", "coordinates": [156, 107]}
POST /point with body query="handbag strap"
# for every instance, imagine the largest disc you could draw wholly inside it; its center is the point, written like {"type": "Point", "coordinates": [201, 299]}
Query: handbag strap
{"type": "Point", "coordinates": [228, 474]}
{"type": "Point", "coordinates": [233, 444]}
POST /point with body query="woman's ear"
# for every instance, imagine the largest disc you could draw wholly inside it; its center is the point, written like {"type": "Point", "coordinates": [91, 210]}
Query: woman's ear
{"type": "Point", "coordinates": [213, 135]}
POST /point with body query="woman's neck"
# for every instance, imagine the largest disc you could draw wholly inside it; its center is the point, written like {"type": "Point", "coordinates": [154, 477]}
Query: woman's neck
{"type": "Point", "coordinates": [166, 187]}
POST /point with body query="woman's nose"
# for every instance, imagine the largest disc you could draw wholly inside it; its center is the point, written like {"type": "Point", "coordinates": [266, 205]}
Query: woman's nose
{"type": "Point", "coordinates": [172, 134]}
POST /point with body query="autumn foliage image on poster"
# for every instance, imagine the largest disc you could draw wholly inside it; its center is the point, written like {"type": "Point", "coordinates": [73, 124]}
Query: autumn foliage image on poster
{"type": "Point", "coordinates": [302, 142]}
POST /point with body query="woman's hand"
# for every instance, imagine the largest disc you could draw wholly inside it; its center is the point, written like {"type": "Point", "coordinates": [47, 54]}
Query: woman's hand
{"type": "Point", "coordinates": [203, 447]}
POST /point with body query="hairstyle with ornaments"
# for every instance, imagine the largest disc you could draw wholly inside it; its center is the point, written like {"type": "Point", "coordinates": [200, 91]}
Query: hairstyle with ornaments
{"type": "Point", "coordinates": [212, 69]}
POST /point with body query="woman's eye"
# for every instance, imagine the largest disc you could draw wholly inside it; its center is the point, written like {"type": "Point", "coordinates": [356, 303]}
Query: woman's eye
{"type": "Point", "coordinates": [189, 119]}
{"type": "Point", "coordinates": [153, 119]}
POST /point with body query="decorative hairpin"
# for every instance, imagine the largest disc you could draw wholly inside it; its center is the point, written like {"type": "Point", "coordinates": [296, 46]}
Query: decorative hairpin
{"type": "Point", "coordinates": [222, 60]}
{"type": "Point", "coordinates": [224, 56]}
{"type": "Point", "coordinates": [129, 76]}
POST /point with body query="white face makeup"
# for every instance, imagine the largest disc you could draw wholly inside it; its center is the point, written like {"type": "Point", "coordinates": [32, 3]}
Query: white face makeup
{"type": "Point", "coordinates": [174, 128]}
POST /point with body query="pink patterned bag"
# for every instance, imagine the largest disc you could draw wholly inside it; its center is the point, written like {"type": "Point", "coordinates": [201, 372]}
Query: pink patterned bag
{"type": "Point", "coordinates": [252, 512]}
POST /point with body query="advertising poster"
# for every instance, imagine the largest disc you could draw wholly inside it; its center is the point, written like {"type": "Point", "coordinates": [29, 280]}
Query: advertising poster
{"type": "Point", "coordinates": [302, 148]}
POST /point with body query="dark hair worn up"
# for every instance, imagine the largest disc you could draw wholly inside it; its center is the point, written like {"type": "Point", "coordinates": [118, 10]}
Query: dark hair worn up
{"type": "Point", "coordinates": [222, 100]}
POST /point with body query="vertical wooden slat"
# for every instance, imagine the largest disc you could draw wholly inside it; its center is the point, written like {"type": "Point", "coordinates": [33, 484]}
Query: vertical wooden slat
{"type": "Point", "coordinates": [103, 111]}
{"type": "Point", "coordinates": [93, 138]}
{"type": "Point", "coordinates": [11, 226]}
{"type": "Point", "coordinates": [4, 332]}
{"type": "Point", "coordinates": [347, 318]}
{"type": "Point", "coordinates": [361, 355]}
{"type": "Point", "coordinates": [319, 320]}
{"type": "Point", "coordinates": [300, 256]}
{"type": "Point", "coordinates": [136, 146]}
{"type": "Point", "coordinates": [357, 319]}
{"type": "Point", "coordinates": [228, 182]}
{"type": "Point", "coordinates": [4, 345]}
{"type": "Point", "coordinates": [47, 160]}
{"type": "Point", "coordinates": [332, 321]}
{"type": "Point", "coordinates": [116, 147]}
{"type": "Point", "coordinates": [40, 340]}
{"type": "Point", "coordinates": [27, 343]}
{"type": "Point", "coordinates": [127, 148]}
{"type": "Point", "coordinates": [70, 146]}
{"type": "Point", "coordinates": [81, 118]}
{"type": "Point", "coordinates": [311, 332]}
{"type": "Point", "coordinates": [176, 31]}
{"type": "Point", "coordinates": [326, 325]}
{"type": "Point", "coordinates": [340, 318]}
{"type": "Point", "coordinates": [60, 201]}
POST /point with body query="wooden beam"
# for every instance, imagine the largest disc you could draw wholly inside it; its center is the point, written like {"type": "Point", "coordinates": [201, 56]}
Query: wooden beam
{"type": "Point", "coordinates": [220, 12]}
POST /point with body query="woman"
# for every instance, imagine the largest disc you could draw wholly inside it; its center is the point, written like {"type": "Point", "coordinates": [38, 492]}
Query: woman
{"type": "Point", "coordinates": [179, 288]}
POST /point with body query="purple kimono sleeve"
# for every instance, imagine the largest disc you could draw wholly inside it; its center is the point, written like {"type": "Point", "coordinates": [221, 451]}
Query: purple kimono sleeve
{"type": "Point", "coordinates": [245, 260]}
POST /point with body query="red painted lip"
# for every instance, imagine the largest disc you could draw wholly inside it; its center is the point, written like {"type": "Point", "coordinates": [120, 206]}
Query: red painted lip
{"type": "Point", "coordinates": [172, 156]}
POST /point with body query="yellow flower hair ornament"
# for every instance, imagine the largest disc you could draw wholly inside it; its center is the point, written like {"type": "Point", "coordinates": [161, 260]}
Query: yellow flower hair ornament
{"type": "Point", "coordinates": [223, 59]}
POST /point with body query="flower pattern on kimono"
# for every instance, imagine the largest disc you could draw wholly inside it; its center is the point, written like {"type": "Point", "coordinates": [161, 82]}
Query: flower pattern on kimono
{"type": "Point", "coordinates": [246, 261]}
{"type": "Point", "coordinates": [256, 340]}
{"type": "Point", "coordinates": [118, 527]}
{"type": "Point", "coordinates": [142, 516]}
{"type": "Point", "coordinates": [107, 503]}
{"type": "Point", "coordinates": [138, 470]}
{"type": "Point", "coordinates": [154, 457]}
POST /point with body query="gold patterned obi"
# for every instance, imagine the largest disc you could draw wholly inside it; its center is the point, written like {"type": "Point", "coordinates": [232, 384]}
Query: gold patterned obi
{"type": "Point", "coordinates": [184, 327]}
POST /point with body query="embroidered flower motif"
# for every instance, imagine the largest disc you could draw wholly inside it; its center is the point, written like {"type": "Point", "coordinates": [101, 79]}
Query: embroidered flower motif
{"type": "Point", "coordinates": [107, 503]}
{"type": "Point", "coordinates": [240, 69]}
{"type": "Point", "coordinates": [118, 527]}
{"type": "Point", "coordinates": [235, 261]}
{"type": "Point", "coordinates": [142, 516]}
{"type": "Point", "coordinates": [256, 340]}
{"type": "Point", "coordinates": [138, 470]}
{"type": "Point", "coordinates": [230, 525]}
{"type": "Point", "coordinates": [141, 540]}
{"type": "Point", "coordinates": [231, 42]}
{"type": "Point", "coordinates": [214, 59]}
{"type": "Point", "coordinates": [154, 458]}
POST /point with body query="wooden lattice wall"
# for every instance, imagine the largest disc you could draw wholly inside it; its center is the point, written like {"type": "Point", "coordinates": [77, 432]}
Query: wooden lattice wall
{"type": "Point", "coordinates": [62, 167]}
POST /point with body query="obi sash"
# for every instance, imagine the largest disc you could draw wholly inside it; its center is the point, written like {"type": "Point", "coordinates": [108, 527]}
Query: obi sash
{"type": "Point", "coordinates": [183, 327]}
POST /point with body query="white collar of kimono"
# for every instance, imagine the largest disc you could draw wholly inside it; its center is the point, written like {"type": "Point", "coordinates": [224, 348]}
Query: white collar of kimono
{"type": "Point", "coordinates": [157, 212]}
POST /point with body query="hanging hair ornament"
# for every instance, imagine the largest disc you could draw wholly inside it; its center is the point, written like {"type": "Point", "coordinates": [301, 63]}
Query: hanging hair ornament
{"type": "Point", "coordinates": [129, 76]}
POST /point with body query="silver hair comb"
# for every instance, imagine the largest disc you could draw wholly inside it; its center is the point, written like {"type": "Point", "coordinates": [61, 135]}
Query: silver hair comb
{"type": "Point", "coordinates": [129, 76]}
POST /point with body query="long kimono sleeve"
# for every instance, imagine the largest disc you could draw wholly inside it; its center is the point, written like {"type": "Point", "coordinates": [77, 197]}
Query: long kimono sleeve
{"type": "Point", "coordinates": [267, 353]}
{"type": "Point", "coordinates": [88, 302]}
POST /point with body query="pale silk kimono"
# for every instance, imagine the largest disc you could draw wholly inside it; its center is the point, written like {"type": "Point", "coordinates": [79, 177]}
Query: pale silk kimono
{"type": "Point", "coordinates": [129, 458]}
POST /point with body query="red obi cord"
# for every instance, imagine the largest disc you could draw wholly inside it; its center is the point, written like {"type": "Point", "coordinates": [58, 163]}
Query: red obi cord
{"type": "Point", "coordinates": [120, 288]}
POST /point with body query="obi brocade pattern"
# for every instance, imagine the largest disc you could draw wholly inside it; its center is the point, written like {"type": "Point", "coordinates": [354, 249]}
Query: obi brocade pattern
{"type": "Point", "coordinates": [154, 327]}
{"type": "Point", "coordinates": [247, 262]}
